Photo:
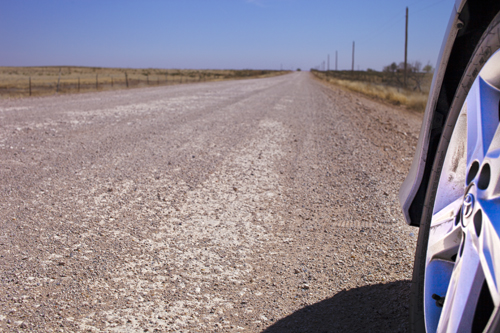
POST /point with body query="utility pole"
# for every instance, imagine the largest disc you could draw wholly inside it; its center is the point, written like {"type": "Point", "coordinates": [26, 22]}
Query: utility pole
{"type": "Point", "coordinates": [336, 58]}
{"type": "Point", "coordinates": [58, 80]}
{"type": "Point", "coordinates": [406, 48]}
{"type": "Point", "coordinates": [352, 68]}
{"type": "Point", "coordinates": [328, 67]}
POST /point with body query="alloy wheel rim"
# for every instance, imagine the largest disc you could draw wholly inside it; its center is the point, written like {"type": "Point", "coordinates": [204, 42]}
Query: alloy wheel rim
{"type": "Point", "coordinates": [463, 253]}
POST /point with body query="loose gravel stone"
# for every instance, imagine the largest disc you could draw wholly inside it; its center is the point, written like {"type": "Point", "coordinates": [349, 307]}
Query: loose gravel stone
{"type": "Point", "coordinates": [202, 207]}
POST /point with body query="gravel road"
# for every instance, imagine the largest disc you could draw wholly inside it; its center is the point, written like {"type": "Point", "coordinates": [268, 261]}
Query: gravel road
{"type": "Point", "coordinates": [263, 205]}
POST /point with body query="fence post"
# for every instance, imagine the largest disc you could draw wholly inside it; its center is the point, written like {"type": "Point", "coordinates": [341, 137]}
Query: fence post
{"type": "Point", "coordinates": [112, 83]}
{"type": "Point", "coordinates": [30, 85]}
{"type": "Point", "coordinates": [147, 79]}
{"type": "Point", "coordinates": [126, 79]}
{"type": "Point", "coordinates": [96, 84]}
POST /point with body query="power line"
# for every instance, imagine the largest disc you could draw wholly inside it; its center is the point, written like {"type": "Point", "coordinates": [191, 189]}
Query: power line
{"type": "Point", "coordinates": [396, 19]}
{"type": "Point", "coordinates": [430, 6]}
{"type": "Point", "coordinates": [384, 27]}
{"type": "Point", "coordinates": [391, 22]}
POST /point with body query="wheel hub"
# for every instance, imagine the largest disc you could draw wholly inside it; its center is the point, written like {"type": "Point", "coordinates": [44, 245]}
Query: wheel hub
{"type": "Point", "coordinates": [467, 207]}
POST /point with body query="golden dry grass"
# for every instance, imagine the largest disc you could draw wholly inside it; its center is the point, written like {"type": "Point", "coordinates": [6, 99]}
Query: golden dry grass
{"type": "Point", "coordinates": [414, 100]}
{"type": "Point", "coordinates": [14, 81]}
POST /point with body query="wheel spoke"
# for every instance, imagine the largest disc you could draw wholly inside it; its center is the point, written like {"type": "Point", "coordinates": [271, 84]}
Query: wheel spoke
{"type": "Point", "coordinates": [452, 179]}
{"type": "Point", "coordinates": [444, 235]}
{"type": "Point", "coordinates": [488, 223]}
{"type": "Point", "coordinates": [446, 247]}
{"type": "Point", "coordinates": [493, 161]}
{"type": "Point", "coordinates": [481, 122]}
{"type": "Point", "coordinates": [463, 291]}
{"type": "Point", "coordinates": [489, 245]}
{"type": "Point", "coordinates": [447, 213]}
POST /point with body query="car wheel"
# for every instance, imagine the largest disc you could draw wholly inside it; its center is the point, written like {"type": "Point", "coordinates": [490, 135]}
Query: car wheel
{"type": "Point", "coordinates": [457, 265]}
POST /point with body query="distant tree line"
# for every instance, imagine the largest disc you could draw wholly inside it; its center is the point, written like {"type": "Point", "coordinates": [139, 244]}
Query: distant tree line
{"type": "Point", "coordinates": [414, 72]}
{"type": "Point", "coordinates": [415, 67]}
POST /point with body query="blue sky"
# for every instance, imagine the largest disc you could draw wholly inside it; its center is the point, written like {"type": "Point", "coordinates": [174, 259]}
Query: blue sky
{"type": "Point", "coordinates": [219, 34]}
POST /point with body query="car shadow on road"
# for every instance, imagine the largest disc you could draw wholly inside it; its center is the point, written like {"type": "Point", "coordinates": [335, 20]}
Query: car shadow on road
{"type": "Point", "coordinates": [374, 308]}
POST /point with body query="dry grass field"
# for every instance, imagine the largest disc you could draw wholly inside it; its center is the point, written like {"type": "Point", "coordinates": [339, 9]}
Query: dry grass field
{"type": "Point", "coordinates": [383, 86]}
{"type": "Point", "coordinates": [15, 81]}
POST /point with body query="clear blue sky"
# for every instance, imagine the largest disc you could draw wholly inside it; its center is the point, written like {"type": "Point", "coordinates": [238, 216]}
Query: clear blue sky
{"type": "Point", "coordinates": [236, 34]}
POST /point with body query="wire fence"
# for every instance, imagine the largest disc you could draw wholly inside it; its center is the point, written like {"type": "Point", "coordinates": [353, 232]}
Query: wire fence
{"type": "Point", "coordinates": [418, 81]}
{"type": "Point", "coordinates": [35, 86]}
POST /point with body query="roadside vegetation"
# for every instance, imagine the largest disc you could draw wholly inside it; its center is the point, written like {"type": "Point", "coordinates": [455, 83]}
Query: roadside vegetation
{"type": "Point", "coordinates": [39, 81]}
{"type": "Point", "coordinates": [387, 85]}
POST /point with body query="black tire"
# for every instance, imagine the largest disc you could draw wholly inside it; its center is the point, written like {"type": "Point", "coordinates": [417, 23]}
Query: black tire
{"type": "Point", "coordinates": [489, 43]}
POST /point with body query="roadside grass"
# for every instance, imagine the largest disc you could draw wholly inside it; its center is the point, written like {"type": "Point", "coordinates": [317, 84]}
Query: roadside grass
{"type": "Point", "coordinates": [412, 99]}
{"type": "Point", "coordinates": [14, 81]}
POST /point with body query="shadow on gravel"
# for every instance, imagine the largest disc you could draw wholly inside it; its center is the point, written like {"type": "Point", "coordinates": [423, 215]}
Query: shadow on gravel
{"type": "Point", "coordinates": [376, 308]}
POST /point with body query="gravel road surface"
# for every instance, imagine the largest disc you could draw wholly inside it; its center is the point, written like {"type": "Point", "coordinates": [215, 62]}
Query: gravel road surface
{"type": "Point", "coordinates": [263, 205]}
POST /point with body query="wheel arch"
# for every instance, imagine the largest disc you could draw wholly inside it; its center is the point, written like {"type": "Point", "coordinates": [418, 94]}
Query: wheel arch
{"type": "Point", "coordinates": [467, 24]}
